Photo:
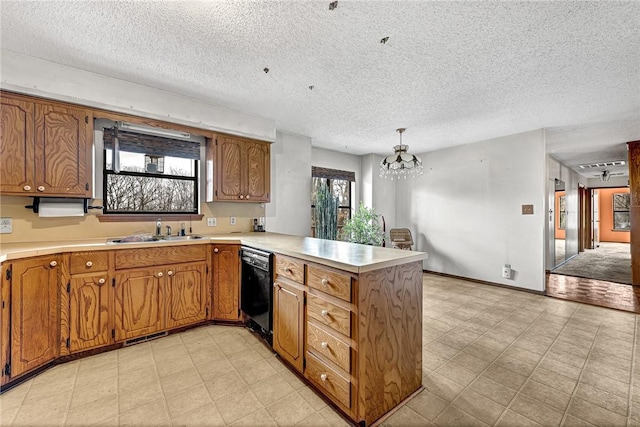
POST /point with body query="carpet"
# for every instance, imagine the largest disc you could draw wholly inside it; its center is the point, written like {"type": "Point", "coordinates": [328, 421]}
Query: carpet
{"type": "Point", "coordinates": [610, 262]}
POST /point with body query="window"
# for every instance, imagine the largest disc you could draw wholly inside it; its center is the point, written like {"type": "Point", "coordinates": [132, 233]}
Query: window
{"type": "Point", "coordinates": [621, 203]}
{"type": "Point", "coordinates": [340, 184]}
{"type": "Point", "coordinates": [563, 212]}
{"type": "Point", "coordinates": [151, 174]}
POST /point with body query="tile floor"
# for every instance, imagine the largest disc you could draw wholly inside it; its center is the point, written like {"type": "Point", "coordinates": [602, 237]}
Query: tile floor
{"type": "Point", "coordinates": [491, 356]}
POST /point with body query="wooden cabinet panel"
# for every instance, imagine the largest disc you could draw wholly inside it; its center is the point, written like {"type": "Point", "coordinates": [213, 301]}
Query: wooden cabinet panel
{"type": "Point", "coordinates": [5, 321]}
{"type": "Point", "coordinates": [230, 170]}
{"type": "Point", "coordinates": [226, 282]}
{"type": "Point", "coordinates": [290, 268]}
{"type": "Point", "coordinates": [329, 314]}
{"type": "Point", "coordinates": [35, 313]}
{"type": "Point", "coordinates": [90, 311]}
{"type": "Point", "coordinates": [258, 171]}
{"type": "Point", "coordinates": [144, 257]}
{"type": "Point", "coordinates": [16, 146]}
{"type": "Point", "coordinates": [139, 303]}
{"type": "Point", "coordinates": [329, 380]}
{"type": "Point", "coordinates": [333, 348]}
{"type": "Point", "coordinates": [88, 262]}
{"type": "Point", "coordinates": [288, 323]}
{"type": "Point", "coordinates": [186, 295]}
{"type": "Point", "coordinates": [329, 281]}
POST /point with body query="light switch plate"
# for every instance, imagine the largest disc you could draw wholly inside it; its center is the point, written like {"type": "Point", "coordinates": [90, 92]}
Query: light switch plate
{"type": "Point", "coordinates": [527, 209]}
{"type": "Point", "coordinates": [233, 220]}
{"type": "Point", "coordinates": [6, 225]}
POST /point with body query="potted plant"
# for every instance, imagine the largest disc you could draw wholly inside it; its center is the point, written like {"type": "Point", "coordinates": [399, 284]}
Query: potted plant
{"type": "Point", "coordinates": [363, 227]}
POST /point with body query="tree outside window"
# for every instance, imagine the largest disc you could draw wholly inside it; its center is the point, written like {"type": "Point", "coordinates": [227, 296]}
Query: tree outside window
{"type": "Point", "coordinates": [621, 219]}
{"type": "Point", "coordinates": [339, 183]}
{"type": "Point", "coordinates": [563, 212]}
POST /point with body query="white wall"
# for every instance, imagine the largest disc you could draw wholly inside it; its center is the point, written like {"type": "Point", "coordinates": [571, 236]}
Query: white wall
{"type": "Point", "coordinates": [558, 170]}
{"type": "Point", "coordinates": [465, 211]}
{"type": "Point", "coordinates": [341, 161]}
{"type": "Point", "coordinates": [377, 192]}
{"type": "Point", "coordinates": [290, 208]}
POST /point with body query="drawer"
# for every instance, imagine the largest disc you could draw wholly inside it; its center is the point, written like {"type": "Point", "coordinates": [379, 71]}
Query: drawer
{"type": "Point", "coordinates": [290, 268]}
{"type": "Point", "coordinates": [330, 314]}
{"type": "Point", "coordinates": [328, 379]}
{"type": "Point", "coordinates": [331, 347]}
{"type": "Point", "coordinates": [145, 257]}
{"type": "Point", "coordinates": [331, 282]}
{"type": "Point", "coordinates": [87, 262]}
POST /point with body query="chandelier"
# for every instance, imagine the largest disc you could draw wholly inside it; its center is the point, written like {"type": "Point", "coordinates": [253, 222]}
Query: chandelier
{"type": "Point", "coordinates": [400, 163]}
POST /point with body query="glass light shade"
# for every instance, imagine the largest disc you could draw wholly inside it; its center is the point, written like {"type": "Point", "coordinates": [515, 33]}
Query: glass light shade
{"type": "Point", "coordinates": [400, 164]}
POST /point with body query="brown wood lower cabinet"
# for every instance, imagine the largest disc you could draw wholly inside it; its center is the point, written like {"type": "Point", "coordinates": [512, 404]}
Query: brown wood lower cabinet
{"type": "Point", "coordinates": [35, 313]}
{"type": "Point", "coordinates": [139, 302]}
{"type": "Point", "coordinates": [226, 282]}
{"type": "Point", "coordinates": [186, 294]}
{"type": "Point", "coordinates": [288, 323]}
{"type": "Point", "coordinates": [90, 311]}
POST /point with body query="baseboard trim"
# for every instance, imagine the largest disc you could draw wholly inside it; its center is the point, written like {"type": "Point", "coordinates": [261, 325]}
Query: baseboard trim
{"type": "Point", "coordinates": [485, 282]}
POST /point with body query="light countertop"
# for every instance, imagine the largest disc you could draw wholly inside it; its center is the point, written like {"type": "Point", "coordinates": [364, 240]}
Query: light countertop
{"type": "Point", "coordinates": [351, 257]}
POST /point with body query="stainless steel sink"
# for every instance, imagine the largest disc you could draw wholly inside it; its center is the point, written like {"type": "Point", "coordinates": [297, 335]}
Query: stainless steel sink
{"type": "Point", "coordinates": [187, 237]}
{"type": "Point", "coordinates": [150, 239]}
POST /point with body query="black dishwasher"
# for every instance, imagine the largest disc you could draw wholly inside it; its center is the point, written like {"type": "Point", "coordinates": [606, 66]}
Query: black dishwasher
{"type": "Point", "coordinates": [257, 289]}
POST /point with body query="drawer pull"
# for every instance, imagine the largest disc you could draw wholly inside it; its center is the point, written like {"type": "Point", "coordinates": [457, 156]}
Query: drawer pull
{"type": "Point", "coordinates": [325, 313]}
{"type": "Point", "coordinates": [241, 197]}
{"type": "Point", "coordinates": [160, 274]}
{"type": "Point", "coordinates": [324, 344]}
{"type": "Point", "coordinates": [323, 377]}
{"type": "Point", "coordinates": [41, 188]}
{"type": "Point", "coordinates": [53, 263]}
{"type": "Point", "coordinates": [101, 281]}
{"type": "Point", "coordinates": [27, 188]}
{"type": "Point", "coordinates": [169, 273]}
{"type": "Point", "coordinates": [325, 282]}
{"type": "Point", "coordinates": [89, 264]}
{"type": "Point", "coordinates": [216, 250]}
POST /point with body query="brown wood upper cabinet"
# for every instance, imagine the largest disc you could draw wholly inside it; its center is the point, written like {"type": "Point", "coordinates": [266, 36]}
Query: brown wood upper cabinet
{"type": "Point", "coordinates": [242, 169]}
{"type": "Point", "coordinates": [45, 148]}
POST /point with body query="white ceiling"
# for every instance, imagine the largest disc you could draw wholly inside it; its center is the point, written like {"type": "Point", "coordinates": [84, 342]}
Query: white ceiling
{"type": "Point", "coordinates": [452, 73]}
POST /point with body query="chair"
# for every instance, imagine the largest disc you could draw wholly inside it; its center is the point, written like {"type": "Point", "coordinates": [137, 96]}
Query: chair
{"type": "Point", "coordinates": [401, 238]}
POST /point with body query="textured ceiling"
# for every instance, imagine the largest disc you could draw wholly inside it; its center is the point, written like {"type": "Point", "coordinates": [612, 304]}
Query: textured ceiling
{"type": "Point", "coordinates": [452, 73]}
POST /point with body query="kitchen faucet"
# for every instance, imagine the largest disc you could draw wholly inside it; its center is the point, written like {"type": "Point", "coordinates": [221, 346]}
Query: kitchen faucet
{"type": "Point", "coordinates": [168, 230]}
{"type": "Point", "coordinates": [158, 227]}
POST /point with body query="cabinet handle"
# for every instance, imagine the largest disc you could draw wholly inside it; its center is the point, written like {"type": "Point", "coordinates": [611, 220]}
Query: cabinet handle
{"type": "Point", "coordinates": [89, 264]}
{"type": "Point", "coordinates": [323, 377]}
{"type": "Point", "coordinates": [169, 273]}
{"type": "Point", "coordinates": [275, 284]}
{"type": "Point", "coordinates": [216, 250]}
{"type": "Point", "coordinates": [247, 197]}
{"type": "Point", "coordinates": [241, 197]}
{"type": "Point", "coordinates": [325, 282]}
{"type": "Point", "coordinates": [160, 274]}
{"type": "Point", "coordinates": [101, 281]}
{"type": "Point", "coordinates": [53, 263]}
{"type": "Point", "coordinates": [324, 313]}
{"type": "Point", "coordinates": [27, 188]}
{"type": "Point", "coordinates": [41, 188]}
{"type": "Point", "coordinates": [324, 344]}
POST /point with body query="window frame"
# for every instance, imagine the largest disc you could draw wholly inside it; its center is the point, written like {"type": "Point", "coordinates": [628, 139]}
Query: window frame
{"type": "Point", "coordinates": [614, 211]}
{"type": "Point", "coordinates": [330, 183]}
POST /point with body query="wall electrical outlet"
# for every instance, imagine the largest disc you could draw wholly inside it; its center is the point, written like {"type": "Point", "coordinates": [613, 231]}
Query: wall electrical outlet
{"type": "Point", "coordinates": [211, 222]}
{"type": "Point", "coordinates": [527, 209]}
{"type": "Point", "coordinates": [261, 220]}
{"type": "Point", "coordinates": [6, 225]}
{"type": "Point", "coordinates": [506, 271]}
{"type": "Point", "coordinates": [233, 220]}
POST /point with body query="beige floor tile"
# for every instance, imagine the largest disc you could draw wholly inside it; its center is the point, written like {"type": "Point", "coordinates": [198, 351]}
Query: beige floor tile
{"type": "Point", "coordinates": [137, 378]}
{"type": "Point", "coordinates": [514, 365]}
{"type": "Point", "coordinates": [560, 368]}
{"type": "Point", "coordinates": [605, 383]}
{"type": "Point", "coordinates": [566, 358]}
{"type": "Point", "coordinates": [470, 362]}
{"type": "Point", "coordinates": [61, 374]}
{"type": "Point", "coordinates": [523, 355]}
{"type": "Point", "coordinates": [133, 364]}
{"type": "Point", "coordinates": [225, 385]}
{"type": "Point", "coordinates": [504, 376]}
{"type": "Point", "coordinates": [442, 386]}
{"type": "Point", "coordinates": [152, 413]}
{"type": "Point", "coordinates": [187, 400]}
{"type": "Point", "coordinates": [14, 397]}
{"type": "Point", "coordinates": [603, 399]}
{"type": "Point", "coordinates": [442, 349]}
{"type": "Point", "coordinates": [244, 358]}
{"type": "Point", "coordinates": [236, 346]}
{"type": "Point", "coordinates": [167, 367]}
{"type": "Point", "coordinates": [290, 410]}
{"type": "Point", "coordinates": [568, 347]}
{"type": "Point", "coordinates": [333, 417]}
{"type": "Point", "coordinates": [536, 410]}
{"type": "Point", "coordinates": [432, 361]}
{"type": "Point", "coordinates": [594, 414]}
{"type": "Point", "coordinates": [134, 396]}
{"type": "Point", "coordinates": [167, 342]}
{"type": "Point", "coordinates": [257, 418]}
{"type": "Point", "coordinates": [256, 371]}
{"type": "Point", "coordinates": [52, 408]}
{"type": "Point", "coordinates": [93, 412]}
{"type": "Point", "coordinates": [206, 413]}
{"type": "Point", "coordinates": [493, 390]}
{"type": "Point", "coordinates": [457, 373]}
{"type": "Point", "coordinates": [479, 406]}
{"type": "Point", "coordinates": [40, 391]}
{"type": "Point", "coordinates": [513, 419]}
{"type": "Point", "coordinates": [571, 421]}
{"type": "Point", "coordinates": [492, 344]}
{"type": "Point", "coordinates": [405, 416]}
{"type": "Point", "coordinates": [454, 417]}
{"type": "Point", "coordinates": [238, 405]}
{"type": "Point", "coordinates": [312, 398]}
{"type": "Point", "coordinates": [95, 392]}
{"type": "Point", "coordinates": [482, 352]}
{"type": "Point", "coordinates": [427, 404]}
{"type": "Point", "coordinates": [181, 380]}
{"type": "Point", "coordinates": [314, 420]}
{"type": "Point", "coordinates": [7, 414]}
{"type": "Point", "coordinates": [608, 371]}
{"type": "Point", "coordinates": [106, 360]}
{"type": "Point", "coordinates": [293, 380]}
{"type": "Point", "coordinates": [271, 389]}
{"type": "Point", "coordinates": [549, 395]}
{"type": "Point", "coordinates": [212, 369]}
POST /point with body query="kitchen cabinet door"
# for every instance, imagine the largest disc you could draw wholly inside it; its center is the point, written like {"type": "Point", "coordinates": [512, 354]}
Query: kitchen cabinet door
{"type": "Point", "coordinates": [5, 322]}
{"type": "Point", "coordinates": [35, 313]}
{"type": "Point", "coordinates": [90, 311]}
{"type": "Point", "coordinates": [186, 295]}
{"type": "Point", "coordinates": [63, 150]}
{"type": "Point", "coordinates": [226, 282]}
{"type": "Point", "coordinates": [16, 146]}
{"type": "Point", "coordinates": [258, 171]}
{"type": "Point", "coordinates": [230, 180]}
{"type": "Point", "coordinates": [139, 302]}
{"type": "Point", "coordinates": [288, 323]}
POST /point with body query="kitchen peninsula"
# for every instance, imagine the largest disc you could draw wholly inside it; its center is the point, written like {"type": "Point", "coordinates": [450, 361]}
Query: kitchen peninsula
{"type": "Point", "coordinates": [347, 317]}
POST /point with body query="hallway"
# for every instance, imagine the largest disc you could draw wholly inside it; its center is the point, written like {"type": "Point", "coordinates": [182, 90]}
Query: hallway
{"type": "Point", "coordinates": [609, 262]}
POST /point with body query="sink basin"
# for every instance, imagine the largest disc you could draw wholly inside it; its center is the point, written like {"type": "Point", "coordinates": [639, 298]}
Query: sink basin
{"type": "Point", "coordinates": [187, 237]}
